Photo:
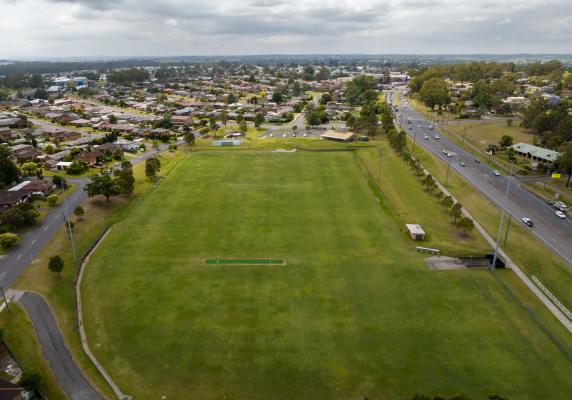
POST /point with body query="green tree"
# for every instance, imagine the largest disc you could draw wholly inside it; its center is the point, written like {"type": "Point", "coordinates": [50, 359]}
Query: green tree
{"type": "Point", "coordinates": [243, 127]}
{"type": "Point", "coordinates": [447, 202]}
{"type": "Point", "coordinates": [434, 92]}
{"type": "Point", "coordinates": [9, 172]}
{"type": "Point", "coordinates": [112, 118]}
{"type": "Point", "coordinates": [506, 141]}
{"type": "Point", "coordinates": [152, 167]}
{"type": "Point", "coordinates": [190, 139]}
{"type": "Point", "coordinates": [30, 380]}
{"type": "Point", "coordinates": [456, 212]}
{"type": "Point", "coordinates": [466, 224]}
{"type": "Point", "coordinates": [29, 168]}
{"type": "Point", "coordinates": [79, 212]}
{"type": "Point", "coordinates": [125, 179]}
{"type": "Point", "coordinates": [8, 240]}
{"type": "Point", "coordinates": [358, 86]}
{"type": "Point", "coordinates": [102, 184]}
{"type": "Point", "coordinates": [325, 98]}
{"type": "Point", "coordinates": [258, 119]}
{"type": "Point", "coordinates": [277, 97]}
{"type": "Point", "coordinates": [56, 264]}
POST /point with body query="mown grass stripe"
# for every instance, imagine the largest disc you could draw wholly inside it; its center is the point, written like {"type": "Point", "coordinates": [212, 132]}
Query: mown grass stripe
{"type": "Point", "coordinates": [237, 261]}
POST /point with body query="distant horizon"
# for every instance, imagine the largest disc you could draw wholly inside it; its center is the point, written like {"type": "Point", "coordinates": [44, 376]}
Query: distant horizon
{"type": "Point", "coordinates": [277, 55]}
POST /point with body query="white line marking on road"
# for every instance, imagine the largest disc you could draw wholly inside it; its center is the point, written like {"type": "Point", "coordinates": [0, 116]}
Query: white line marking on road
{"type": "Point", "coordinates": [33, 241]}
{"type": "Point", "coordinates": [46, 228]}
{"type": "Point", "coordinates": [20, 256]}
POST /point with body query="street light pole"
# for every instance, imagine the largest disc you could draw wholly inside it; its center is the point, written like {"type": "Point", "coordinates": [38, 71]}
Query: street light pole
{"type": "Point", "coordinates": [507, 229]}
{"type": "Point", "coordinates": [70, 235]}
{"type": "Point", "coordinates": [414, 140]}
{"type": "Point", "coordinates": [447, 176]}
{"type": "Point", "coordinates": [495, 255]}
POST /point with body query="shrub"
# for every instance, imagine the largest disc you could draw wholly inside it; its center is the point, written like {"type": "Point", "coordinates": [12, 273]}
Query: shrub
{"type": "Point", "coordinates": [8, 240]}
{"type": "Point", "coordinates": [52, 200]}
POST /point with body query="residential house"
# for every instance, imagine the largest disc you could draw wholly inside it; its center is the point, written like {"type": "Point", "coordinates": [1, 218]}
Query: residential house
{"type": "Point", "coordinates": [64, 136]}
{"type": "Point", "coordinates": [179, 120]}
{"type": "Point", "coordinates": [5, 133]}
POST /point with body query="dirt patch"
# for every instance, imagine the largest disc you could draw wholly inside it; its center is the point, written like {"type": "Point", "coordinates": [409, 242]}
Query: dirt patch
{"type": "Point", "coordinates": [442, 263]}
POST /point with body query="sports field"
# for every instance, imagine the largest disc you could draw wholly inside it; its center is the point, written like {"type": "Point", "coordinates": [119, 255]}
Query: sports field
{"type": "Point", "coordinates": [352, 313]}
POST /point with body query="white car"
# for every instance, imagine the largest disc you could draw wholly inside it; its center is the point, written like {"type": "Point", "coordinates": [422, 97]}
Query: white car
{"type": "Point", "coordinates": [419, 126]}
{"type": "Point", "coordinates": [271, 135]}
{"type": "Point", "coordinates": [284, 135]}
{"type": "Point", "coordinates": [436, 137]}
{"type": "Point", "coordinates": [528, 222]}
{"type": "Point", "coordinates": [430, 127]}
{"type": "Point", "coordinates": [496, 173]}
{"type": "Point", "coordinates": [426, 137]}
{"type": "Point", "coordinates": [560, 214]}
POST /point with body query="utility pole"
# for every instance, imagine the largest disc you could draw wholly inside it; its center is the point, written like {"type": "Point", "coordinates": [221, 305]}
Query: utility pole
{"type": "Point", "coordinates": [4, 297]}
{"type": "Point", "coordinates": [493, 266]}
{"type": "Point", "coordinates": [464, 133]}
{"type": "Point", "coordinates": [414, 140]}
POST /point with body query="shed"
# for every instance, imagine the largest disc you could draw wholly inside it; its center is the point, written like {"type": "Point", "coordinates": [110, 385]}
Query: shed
{"type": "Point", "coordinates": [416, 232]}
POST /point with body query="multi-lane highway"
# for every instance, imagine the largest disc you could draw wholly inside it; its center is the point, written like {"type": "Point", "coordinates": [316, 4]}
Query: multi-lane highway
{"type": "Point", "coordinates": [553, 231]}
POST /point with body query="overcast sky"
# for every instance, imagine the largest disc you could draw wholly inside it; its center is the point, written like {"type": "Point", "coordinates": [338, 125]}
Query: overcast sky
{"type": "Point", "coordinates": [78, 28]}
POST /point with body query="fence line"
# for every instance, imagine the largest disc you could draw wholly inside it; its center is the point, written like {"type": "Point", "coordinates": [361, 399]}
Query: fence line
{"type": "Point", "coordinates": [552, 297]}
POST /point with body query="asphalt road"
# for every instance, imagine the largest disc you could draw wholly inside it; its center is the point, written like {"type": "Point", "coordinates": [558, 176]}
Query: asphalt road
{"type": "Point", "coordinates": [556, 233]}
{"type": "Point", "coordinates": [71, 379]}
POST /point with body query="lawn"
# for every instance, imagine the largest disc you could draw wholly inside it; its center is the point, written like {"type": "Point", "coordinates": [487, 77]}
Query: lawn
{"type": "Point", "coordinates": [481, 135]}
{"type": "Point", "coordinates": [354, 313]}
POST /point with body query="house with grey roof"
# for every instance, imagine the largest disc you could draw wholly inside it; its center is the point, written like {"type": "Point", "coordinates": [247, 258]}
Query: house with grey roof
{"type": "Point", "coordinates": [535, 153]}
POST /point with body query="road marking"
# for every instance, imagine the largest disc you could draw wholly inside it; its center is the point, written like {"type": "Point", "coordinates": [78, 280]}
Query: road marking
{"type": "Point", "coordinates": [20, 256]}
{"type": "Point", "coordinates": [46, 228]}
{"type": "Point", "coordinates": [33, 241]}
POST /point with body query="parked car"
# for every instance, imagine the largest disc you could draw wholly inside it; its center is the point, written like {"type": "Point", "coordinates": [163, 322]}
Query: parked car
{"type": "Point", "coordinates": [560, 214]}
{"type": "Point", "coordinates": [528, 222]}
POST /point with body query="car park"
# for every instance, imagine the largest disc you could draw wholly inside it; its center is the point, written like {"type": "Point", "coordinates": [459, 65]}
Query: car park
{"type": "Point", "coordinates": [528, 222]}
{"type": "Point", "coordinates": [560, 214]}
